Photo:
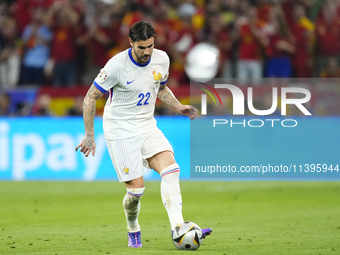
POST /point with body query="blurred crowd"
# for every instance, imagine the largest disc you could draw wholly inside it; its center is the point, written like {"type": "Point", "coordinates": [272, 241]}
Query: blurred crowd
{"type": "Point", "coordinates": [65, 42]}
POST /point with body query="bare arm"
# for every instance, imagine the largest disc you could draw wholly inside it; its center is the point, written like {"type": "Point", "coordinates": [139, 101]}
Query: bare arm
{"type": "Point", "coordinates": [89, 108]}
{"type": "Point", "coordinates": [167, 97]}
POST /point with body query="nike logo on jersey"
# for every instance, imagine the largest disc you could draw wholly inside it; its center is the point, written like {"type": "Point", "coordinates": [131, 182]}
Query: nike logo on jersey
{"type": "Point", "coordinates": [128, 82]}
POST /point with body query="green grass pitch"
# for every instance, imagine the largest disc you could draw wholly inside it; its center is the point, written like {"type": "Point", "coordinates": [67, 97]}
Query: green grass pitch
{"type": "Point", "coordinates": [246, 218]}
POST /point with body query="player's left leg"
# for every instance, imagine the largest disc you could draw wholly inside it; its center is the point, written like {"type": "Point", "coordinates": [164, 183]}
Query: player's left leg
{"type": "Point", "coordinates": [158, 155]}
{"type": "Point", "coordinates": [165, 164]}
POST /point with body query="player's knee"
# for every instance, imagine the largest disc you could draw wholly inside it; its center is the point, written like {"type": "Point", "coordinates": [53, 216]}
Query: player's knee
{"type": "Point", "coordinates": [161, 160]}
{"type": "Point", "coordinates": [135, 183]}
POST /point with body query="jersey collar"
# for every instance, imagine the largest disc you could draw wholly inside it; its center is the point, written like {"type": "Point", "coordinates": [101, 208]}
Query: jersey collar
{"type": "Point", "coordinates": [136, 63]}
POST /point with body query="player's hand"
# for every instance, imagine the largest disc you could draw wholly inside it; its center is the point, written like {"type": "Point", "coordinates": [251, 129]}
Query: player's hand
{"type": "Point", "coordinates": [87, 145]}
{"type": "Point", "coordinates": [187, 110]}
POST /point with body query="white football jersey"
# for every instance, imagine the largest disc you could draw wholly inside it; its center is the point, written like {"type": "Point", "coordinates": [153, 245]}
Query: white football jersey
{"type": "Point", "coordinates": [133, 89]}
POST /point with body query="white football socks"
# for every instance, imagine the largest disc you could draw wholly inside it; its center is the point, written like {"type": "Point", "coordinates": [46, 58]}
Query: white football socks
{"type": "Point", "coordinates": [171, 194]}
{"type": "Point", "coordinates": [131, 204]}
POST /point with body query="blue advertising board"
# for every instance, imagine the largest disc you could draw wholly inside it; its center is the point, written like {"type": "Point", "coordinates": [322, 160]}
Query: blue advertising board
{"type": "Point", "coordinates": [262, 148]}
{"type": "Point", "coordinates": [44, 149]}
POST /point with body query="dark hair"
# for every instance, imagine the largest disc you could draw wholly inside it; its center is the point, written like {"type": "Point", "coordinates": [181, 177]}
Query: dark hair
{"type": "Point", "coordinates": [141, 31]}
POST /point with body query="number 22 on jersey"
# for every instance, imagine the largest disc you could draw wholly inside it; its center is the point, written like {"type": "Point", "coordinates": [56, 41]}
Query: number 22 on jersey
{"type": "Point", "coordinates": [141, 96]}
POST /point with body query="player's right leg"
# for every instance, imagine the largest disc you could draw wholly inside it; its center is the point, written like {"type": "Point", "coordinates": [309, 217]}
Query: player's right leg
{"type": "Point", "coordinates": [127, 161]}
{"type": "Point", "coordinates": [131, 204]}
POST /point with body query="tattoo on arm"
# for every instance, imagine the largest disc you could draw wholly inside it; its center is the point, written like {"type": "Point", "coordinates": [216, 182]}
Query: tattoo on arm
{"type": "Point", "coordinates": [89, 109]}
{"type": "Point", "coordinates": [167, 97]}
{"type": "Point", "coordinates": [161, 87]}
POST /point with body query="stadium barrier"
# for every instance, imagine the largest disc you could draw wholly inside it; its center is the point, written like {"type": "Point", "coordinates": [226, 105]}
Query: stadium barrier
{"type": "Point", "coordinates": [44, 149]}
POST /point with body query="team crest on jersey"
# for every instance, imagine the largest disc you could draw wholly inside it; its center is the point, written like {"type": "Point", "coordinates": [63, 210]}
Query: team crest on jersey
{"type": "Point", "coordinates": [126, 170]}
{"type": "Point", "coordinates": [157, 77]}
{"type": "Point", "coordinates": [103, 75]}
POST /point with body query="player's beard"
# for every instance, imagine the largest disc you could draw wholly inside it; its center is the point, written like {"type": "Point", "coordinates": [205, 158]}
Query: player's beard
{"type": "Point", "coordinates": [140, 58]}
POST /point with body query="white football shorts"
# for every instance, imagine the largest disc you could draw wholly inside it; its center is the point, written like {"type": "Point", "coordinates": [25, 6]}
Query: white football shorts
{"type": "Point", "coordinates": [129, 155]}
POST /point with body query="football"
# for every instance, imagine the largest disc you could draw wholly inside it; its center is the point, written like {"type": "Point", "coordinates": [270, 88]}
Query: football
{"type": "Point", "coordinates": [187, 236]}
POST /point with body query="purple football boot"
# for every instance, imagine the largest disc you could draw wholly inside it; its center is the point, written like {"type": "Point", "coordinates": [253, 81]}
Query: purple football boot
{"type": "Point", "coordinates": [206, 232]}
{"type": "Point", "coordinates": [134, 239]}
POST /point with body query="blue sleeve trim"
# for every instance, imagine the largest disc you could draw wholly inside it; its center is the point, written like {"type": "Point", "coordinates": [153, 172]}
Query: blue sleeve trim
{"type": "Point", "coordinates": [163, 82]}
{"type": "Point", "coordinates": [98, 87]}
